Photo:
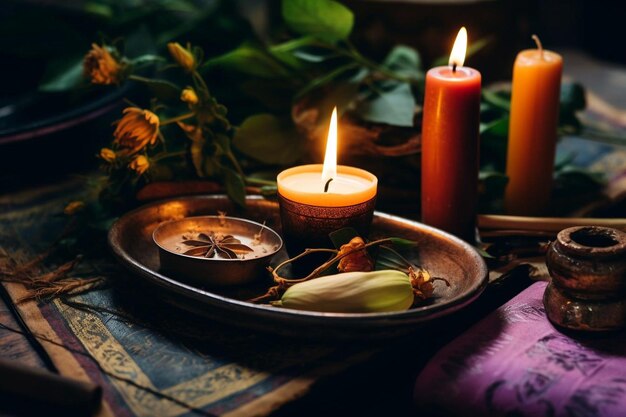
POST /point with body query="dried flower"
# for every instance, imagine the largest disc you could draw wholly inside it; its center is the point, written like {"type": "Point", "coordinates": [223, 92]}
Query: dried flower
{"type": "Point", "coordinates": [356, 261]}
{"type": "Point", "coordinates": [101, 67]}
{"type": "Point", "coordinates": [422, 283]}
{"type": "Point", "coordinates": [140, 164]}
{"type": "Point", "coordinates": [182, 56]}
{"type": "Point", "coordinates": [136, 130]}
{"type": "Point", "coordinates": [108, 154]}
{"type": "Point", "coordinates": [189, 96]}
{"type": "Point", "coordinates": [74, 207]}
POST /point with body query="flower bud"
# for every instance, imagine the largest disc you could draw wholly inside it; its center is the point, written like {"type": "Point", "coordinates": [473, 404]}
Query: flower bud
{"type": "Point", "coordinates": [182, 56]}
{"type": "Point", "coordinates": [140, 164]}
{"type": "Point", "coordinates": [189, 96]}
{"type": "Point", "coordinates": [108, 155]}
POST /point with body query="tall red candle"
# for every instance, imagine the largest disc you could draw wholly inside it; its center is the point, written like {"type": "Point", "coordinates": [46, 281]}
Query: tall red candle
{"type": "Point", "coordinates": [450, 145]}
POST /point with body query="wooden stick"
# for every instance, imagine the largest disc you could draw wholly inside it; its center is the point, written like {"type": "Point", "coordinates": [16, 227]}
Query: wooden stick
{"type": "Point", "coordinates": [545, 224]}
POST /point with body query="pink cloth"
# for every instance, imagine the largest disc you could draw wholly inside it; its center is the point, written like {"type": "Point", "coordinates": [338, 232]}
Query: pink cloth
{"type": "Point", "coordinates": [515, 363]}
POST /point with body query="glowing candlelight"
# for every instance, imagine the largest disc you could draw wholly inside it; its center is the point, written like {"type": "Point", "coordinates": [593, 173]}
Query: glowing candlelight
{"type": "Point", "coordinates": [457, 55]}
{"type": "Point", "coordinates": [450, 144]}
{"type": "Point", "coordinates": [329, 172]}
{"type": "Point", "coordinates": [327, 185]}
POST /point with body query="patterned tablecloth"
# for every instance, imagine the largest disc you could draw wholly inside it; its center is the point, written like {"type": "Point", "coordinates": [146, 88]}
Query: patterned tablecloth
{"type": "Point", "coordinates": [153, 359]}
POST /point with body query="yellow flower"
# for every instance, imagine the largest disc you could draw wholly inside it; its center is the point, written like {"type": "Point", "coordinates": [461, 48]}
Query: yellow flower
{"type": "Point", "coordinates": [108, 154]}
{"type": "Point", "coordinates": [101, 67]}
{"type": "Point", "coordinates": [74, 207]}
{"type": "Point", "coordinates": [189, 96]}
{"type": "Point", "coordinates": [140, 164]}
{"type": "Point", "coordinates": [182, 56]}
{"type": "Point", "coordinates": [136, 130]}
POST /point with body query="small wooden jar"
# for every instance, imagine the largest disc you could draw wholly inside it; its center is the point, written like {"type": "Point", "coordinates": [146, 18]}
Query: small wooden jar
{"type": "Point", "coordinates": [588, 288]}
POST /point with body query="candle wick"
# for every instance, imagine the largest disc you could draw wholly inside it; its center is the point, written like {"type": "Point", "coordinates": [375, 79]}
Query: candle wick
{"type": "Point", "coordinates": [454, 67]}
{"type": "Point", "coordinates": [539, 46]}
{"type": "Point", "coordinates": [326, 185]}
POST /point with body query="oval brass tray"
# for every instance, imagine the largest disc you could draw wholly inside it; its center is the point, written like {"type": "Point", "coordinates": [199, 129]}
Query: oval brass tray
{"type": "Point", "coordinates": [440, 253]}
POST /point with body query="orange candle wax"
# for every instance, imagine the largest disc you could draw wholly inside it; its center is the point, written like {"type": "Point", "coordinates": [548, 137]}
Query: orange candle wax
{"type": "Point", "coordinates": [327, 185]}
{"type": "Point", "coordinates": [450, 147]}
{"type": "Point", "coordinates": [532, 131]}
{"type": "Point", "coordinates": [350, 186]}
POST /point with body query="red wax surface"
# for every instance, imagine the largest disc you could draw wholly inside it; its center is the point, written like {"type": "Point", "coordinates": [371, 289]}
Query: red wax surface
{"type": "Point", "coordinates": [450, 150]}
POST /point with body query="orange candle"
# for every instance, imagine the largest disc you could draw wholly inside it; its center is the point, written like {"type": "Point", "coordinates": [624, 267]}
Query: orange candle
{"type": "Point", "coordinates": [532, 130]}
{"type": "Point", "coordinates": [327, 185]}
{"type": "Point", "coordinates": [316, 200]}
{"type": "Point", "coordinates": [450, 145]}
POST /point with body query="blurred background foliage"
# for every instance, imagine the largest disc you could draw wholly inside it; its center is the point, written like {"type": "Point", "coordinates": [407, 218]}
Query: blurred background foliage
{"type": "Point", "coordinates": [279, 71]}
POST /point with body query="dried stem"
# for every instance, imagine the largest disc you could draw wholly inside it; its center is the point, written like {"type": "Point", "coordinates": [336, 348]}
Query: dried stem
{"type": "Point", "coordinates": [283, 283]}
{"type": "Point", "coordinates": [317, 271]}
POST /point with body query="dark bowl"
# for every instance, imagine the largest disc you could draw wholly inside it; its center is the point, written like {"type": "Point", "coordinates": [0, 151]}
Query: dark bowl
{"type": "Point", "coordinates": [215, 271]}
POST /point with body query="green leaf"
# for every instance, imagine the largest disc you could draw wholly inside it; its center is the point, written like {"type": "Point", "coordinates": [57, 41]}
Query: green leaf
{"type": "Point", "coordinates": [389, 258]}
{"type": "Point", "coordinates": [147, 59]}
{"type": "Point", "coordinates": [287, 52]}
{"type": "Point", "coordinates": [483, 253]}
{"type": "Point", "coordinates": [268, 139]}
{"type": "Point", "coordinates": [497, 99]}
{"type": "Point", "coordinates": [223, 143]}
{"type": "Point", "coordinates": [402, 243]}
{"type": "Point", "coordinates": [161, 89]}
{"type": "Point", "coordinates": [327, 78]}
{"type": "Point", "coordinates": [572, 100]}
{"type": "Point", "coordinates": [394, 106]}
{"type": "Point", "coordinates": [491, 190]}
{"type": "Point", "coordinates": [572, 97]}
{"type": "Point", "coordinates": [63, 76]}
{"type": "Point", "coordinates": [493, 142]}
{"type": "Point", "coordinates": [493, 183]}
{"type": "Point", "coordinates": [235, 187]}
{"type": "Point", "coordinates": [404, 61]}
{"type": "Point", "coordinates": [342, 236]}
{"type": "Point", "coordinates": [499, 127]}
{"type": "Point", "coordinates": [250, 60]}
{"type": "Point", "coordinates": [139, 42]}
{"type": "Point", "coordinates": [573, 178]}
{"type": "Point", "coordinates": [98, 9]}
{"type": "Point", "coordinates": [269, 190]}
{"type": "Point", "coordinates": [324, 19]}
{"type": "Point", "coordinates": [211, 166]}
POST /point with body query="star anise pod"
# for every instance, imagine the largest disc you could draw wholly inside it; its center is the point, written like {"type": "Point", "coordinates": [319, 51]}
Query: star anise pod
{"type": "Point", "coordinates": [208, 246]}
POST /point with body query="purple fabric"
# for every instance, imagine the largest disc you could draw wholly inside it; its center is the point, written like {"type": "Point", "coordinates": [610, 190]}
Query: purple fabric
{"type": "Point", "coordinates": [515, 363]}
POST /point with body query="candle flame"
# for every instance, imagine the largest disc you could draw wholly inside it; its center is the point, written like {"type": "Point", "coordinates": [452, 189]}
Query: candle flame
{"type": "Point", "coordinates": [330, 158]}
{"type": "Point", "coordinates": [457, 55]}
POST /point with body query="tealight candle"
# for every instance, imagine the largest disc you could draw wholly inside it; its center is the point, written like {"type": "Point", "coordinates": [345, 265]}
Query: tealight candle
{"type": "Point", "coordinates": [349, 186]}
{"type": "Point", "coordinates": [317, 199]}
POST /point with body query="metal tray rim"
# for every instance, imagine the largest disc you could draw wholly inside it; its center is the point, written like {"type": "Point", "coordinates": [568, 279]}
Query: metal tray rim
{"type": "Point", "coordinates": [415, 315]}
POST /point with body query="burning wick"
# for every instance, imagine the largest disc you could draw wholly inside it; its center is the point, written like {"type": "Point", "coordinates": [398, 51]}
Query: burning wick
{"type": "Point", "coordinates": [327, 185]}
{"type": "Point", "coordinates": [457, 55]}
